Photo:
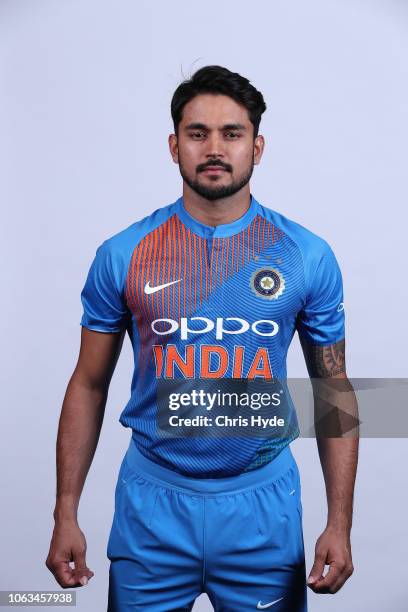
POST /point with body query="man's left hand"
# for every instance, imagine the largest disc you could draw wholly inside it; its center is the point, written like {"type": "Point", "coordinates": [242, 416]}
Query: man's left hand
{"type": "Point", "coordinates": [333, 548]}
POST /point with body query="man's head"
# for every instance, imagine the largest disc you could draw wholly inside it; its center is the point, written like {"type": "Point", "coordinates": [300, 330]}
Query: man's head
{"type": "Point", "coordinates": [216, 116]}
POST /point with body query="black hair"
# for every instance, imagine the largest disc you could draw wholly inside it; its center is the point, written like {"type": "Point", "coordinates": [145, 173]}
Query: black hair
{"type": "Point", "coordinates": [219, 80]}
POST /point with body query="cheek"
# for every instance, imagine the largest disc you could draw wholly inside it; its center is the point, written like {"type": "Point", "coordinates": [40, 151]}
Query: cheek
{"type": "Point", "coordinates": [189, 156]}
{"type": "Point", "coordinates": [242, 157]}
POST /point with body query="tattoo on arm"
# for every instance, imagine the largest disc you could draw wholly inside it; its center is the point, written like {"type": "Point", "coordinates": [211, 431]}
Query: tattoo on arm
{"type": "Point", "coordinates": [325, 361]}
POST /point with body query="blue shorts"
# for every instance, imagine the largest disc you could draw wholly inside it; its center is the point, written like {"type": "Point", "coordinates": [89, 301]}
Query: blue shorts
{"type": "Point", "coordinates": [239, 539]}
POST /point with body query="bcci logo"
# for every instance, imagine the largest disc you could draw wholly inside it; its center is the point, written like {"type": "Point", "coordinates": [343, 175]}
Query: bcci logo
{"type": "Point", "coordinates": [267, 283]}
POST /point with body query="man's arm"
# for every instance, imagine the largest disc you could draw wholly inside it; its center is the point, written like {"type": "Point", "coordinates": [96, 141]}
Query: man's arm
{"type": "Point", "coordinates": [78, 433]}
{"type": "Point", "coordinates": [336, 417]}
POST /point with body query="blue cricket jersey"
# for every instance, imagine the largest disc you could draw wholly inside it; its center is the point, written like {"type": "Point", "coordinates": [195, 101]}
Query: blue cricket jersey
{"type": "Point", "coordinates": [211, 303]}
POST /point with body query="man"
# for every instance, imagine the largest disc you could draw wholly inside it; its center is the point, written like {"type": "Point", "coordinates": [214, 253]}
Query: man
{"type": "Point", "coordinates": [211, 290]}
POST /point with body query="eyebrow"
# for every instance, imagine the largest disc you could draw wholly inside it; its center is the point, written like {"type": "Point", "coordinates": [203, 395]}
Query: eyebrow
{"type": "Point", "coordinates": [227, 126]}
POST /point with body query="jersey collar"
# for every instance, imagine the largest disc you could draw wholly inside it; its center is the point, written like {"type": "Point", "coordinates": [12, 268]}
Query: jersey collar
{"type": "Point", "coordinates": [220, 231]}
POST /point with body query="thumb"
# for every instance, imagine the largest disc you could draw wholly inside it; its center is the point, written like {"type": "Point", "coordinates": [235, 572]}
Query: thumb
{"type": "Point", "coordinates": [82, 573]}
{"type": "Point", "coordinates": [316, 573]}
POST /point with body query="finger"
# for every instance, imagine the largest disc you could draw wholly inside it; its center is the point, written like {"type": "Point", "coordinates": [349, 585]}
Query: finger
{"type": "Point", "coordinates": [83, 576]}
{"type": "Point", "coordinates": [316, 573]}
{"type": "Point", "coordinates": [63, 574]}
{"type": "Point", "coordinates": [81, 572]}
{"type": "Point", "coordinates": [326, 584]}
{"type": "Point", "coordinates": [345, 575]}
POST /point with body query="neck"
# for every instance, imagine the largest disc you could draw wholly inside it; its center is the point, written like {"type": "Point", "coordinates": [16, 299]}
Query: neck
{"type": "Point", "coordinates": [216, 212]}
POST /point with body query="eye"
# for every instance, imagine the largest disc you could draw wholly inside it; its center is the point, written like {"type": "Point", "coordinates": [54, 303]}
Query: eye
{"type": "Point", "coordinates": [232, 135]}
{"type": "Point", "coordinates": [197, 135]}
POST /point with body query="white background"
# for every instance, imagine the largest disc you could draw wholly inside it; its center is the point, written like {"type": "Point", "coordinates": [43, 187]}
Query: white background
{"type": "Point", "coordinates": [85, 96]}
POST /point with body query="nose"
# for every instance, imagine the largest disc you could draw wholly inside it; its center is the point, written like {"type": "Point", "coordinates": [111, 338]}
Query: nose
{"type": "Point", "coordinates": [214, 145]}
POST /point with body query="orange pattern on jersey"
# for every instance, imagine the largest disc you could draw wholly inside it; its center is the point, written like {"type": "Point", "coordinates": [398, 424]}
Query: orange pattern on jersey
{"type": "Point", "coordinates": [172, 254]}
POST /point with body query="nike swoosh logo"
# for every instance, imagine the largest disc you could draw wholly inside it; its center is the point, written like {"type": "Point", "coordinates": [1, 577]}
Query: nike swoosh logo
{"type": "Point", "coordinates": [148, 289]}
{"type": "Point", "coordinates": [261, 606]}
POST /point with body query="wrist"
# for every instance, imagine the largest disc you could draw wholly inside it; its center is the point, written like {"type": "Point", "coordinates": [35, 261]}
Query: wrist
{"type": "Point", "coordinates": [342, 528]}
{"type": "Point", "coordinates": [66, 509]}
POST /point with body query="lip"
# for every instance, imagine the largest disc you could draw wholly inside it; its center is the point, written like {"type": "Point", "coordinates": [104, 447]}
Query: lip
{"type": "Point", "coordinates": [213, 169]}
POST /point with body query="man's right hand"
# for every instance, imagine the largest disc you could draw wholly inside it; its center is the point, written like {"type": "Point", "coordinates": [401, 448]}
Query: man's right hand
{"type": "Point", "coordinates": [68, 544]}
{"type": "Point", "coordinates": [78, 433]}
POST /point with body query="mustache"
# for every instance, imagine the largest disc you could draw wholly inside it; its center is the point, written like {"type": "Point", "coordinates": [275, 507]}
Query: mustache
{"type": "Point", "coordinates": [215, 162]}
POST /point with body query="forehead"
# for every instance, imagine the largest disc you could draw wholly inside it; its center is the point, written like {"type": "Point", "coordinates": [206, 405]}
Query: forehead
{"type": "Point", "coordinates": [214, 110]}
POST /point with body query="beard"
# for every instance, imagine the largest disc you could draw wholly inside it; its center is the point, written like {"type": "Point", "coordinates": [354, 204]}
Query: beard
{"type": "Point", "coordinates": [216, 192]}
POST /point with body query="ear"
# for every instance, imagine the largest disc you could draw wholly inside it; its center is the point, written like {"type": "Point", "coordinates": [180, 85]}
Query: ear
{"type": "Point", "coordinates": [259, 145]}
{"type": "Point", "coordinates": [173, 146]}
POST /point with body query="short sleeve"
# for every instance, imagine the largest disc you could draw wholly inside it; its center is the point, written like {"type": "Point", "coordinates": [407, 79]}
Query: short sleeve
{"type": "Point", "coordinates": [103, 301]}
{"type": "Point", "coordinates": [321, 321]}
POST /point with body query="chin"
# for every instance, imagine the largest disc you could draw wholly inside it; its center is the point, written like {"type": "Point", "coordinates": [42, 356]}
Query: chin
{"type": "Point", "coordinates": [219, 180]}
